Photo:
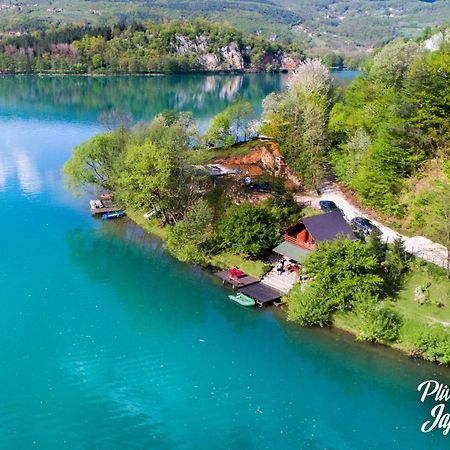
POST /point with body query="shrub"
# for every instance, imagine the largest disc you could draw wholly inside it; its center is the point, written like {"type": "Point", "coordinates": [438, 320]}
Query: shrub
{"type": "Point", "coordinates": [307, 307]}
{"type": "Point", "coordinates": [248, 229]}
{"type": "Point", "coordinates": [376, 323]}
{"type": "Point", "coordinates": [188, 239]}
{"type": "Point", "coordinates": [397, 262]}
{"type": "Point", "coordinates": [343, 272]}
{"type": "Point", "coordinates": [433, 343]}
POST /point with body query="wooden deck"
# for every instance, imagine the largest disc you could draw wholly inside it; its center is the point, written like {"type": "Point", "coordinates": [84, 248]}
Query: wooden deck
{"type": "Point", "coordinates": [261, 293]}
{"type": "Point", "coordinates": [236, 283]}
{"type": "Point", "coordinates": [106, 209]}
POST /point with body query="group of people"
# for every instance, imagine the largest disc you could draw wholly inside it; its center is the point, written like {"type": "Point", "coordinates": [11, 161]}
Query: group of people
{"type": "Point", "coordinates": [284, 264]}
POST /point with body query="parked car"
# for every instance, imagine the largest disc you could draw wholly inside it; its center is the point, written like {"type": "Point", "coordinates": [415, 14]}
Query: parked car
{"type": "Point", "coordinates": [260, 187]}
{"type": "Point", "coordinates": [365, 225]}
{"type": "Point", "coordinates": [328, 206]}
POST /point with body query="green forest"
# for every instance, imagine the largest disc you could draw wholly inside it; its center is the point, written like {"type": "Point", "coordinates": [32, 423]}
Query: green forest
{"type": "Point", "coordinates": [169, 47]}
{"type": "Point", "coordinates": [389, 133]}
{"type": "Point", "coordinates": [320, 26]}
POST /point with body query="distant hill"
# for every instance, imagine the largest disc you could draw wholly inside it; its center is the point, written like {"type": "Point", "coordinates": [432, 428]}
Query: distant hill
{"type": "Point", "coordinates": [344, 26]}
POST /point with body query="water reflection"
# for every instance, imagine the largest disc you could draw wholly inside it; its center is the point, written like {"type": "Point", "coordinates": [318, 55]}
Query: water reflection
{"type": "Point", "coordinates": [20, 166]}
{"type": "Point", "coordinates": [86, 97]}
{"type": "Point", "coordinates": [27, 174]}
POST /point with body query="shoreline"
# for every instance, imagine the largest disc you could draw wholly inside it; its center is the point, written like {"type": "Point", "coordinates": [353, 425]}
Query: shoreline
{"type": "Point", "coordinates": [147, 74]}
{"type": "Point", "coordinates": [161, 74]}
{"type": "Point", "coordinates": [337, 326]}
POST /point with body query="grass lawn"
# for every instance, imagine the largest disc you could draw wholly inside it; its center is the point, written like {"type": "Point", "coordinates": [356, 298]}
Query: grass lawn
{"type": "Point", "coordinates": [150, 226]}
{"type": "Point", "coordinates": [438, 294]}
{"type": "Point", "coordinates": [415, 316]}
{"type": "Point", "coordinates": [224, 261]}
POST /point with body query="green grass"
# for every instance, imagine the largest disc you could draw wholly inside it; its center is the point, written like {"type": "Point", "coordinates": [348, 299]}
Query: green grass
{"type": "Point", "coordinates": [150, 226]}
{"type": "Point", "coordinates": [439, 293]}
{"type": "Point", "coordinates": [415, 317]}
{"type": "Point", "coordinates": [224, 261]}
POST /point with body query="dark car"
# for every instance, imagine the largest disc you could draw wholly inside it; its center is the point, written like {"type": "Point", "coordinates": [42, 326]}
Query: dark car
{"type": "Point", "coordinates": [259, 187]}
{"type": "Point", "coordinates": [328, 206]}
{"type": "Point", "coordinates": [365, 225]}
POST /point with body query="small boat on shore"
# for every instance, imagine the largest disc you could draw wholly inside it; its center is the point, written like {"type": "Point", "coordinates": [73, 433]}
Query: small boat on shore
{"type": "Point", "coordinates": [114, 215]}
{"type": "Point", "coordinates": [242, 299]}
{"type": "Point", "coordinates": [95, 204]}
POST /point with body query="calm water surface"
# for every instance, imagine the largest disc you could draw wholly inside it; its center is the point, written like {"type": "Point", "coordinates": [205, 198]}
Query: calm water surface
{"type": "Point", "coordinates": [109, 343]}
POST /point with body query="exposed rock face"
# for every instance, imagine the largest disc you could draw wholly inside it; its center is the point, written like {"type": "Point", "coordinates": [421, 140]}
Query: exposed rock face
{"type": "Point", "coordinates": [229, 57]}
{"type": "Point", "coordinates": [269, 158]}
{"type": "Point", "coordinates": [434, 43]}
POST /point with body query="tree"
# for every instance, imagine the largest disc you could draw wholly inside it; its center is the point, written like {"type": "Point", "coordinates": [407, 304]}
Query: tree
{"type": "Point", "coordinates": [433, 343]}
{"type": "Point", "coordinates": [248, 229]}
{"type": "Point", "coordinates": [344, 271]}
{"type": "Point", "coordinates": [97, 163]}
{"type": "Point", "coordinates": [391, 63]}
{"type": "Point", "coordinates": [240, 113]}
{"type": "Point", "coordinates": [297, 121]}
{"type": "Point", "coordinates": [397, 261]}
{"type": "Point", "coordinates": [430, 211]}
{"type": "Point", "coordinates": [156, 173]}
{"type": "Point", "coordinates": [188, 239]}
{"type": "Point", "coordinates": [219, 132]}
{"type": "Point", "coordinates": [376, 323]}
{"type": "Point", "coordinates": [427, 95]}
{"type": "Point", "coordinates": [306, 306]}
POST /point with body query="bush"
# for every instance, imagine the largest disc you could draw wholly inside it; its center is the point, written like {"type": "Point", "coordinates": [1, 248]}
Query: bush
{"type": "Point", "coordinates": [376, 323]}
{"type": "Point", "coordinates": [188, 239]}
{"type": "Point", "coordinates": [248, 229]}
{"type": "Point", "coordinates": [397, 262]}
{"type": "Point", "coordinates": [307, 307]}
{"type": "Point", "coordinates": [344, 271]}
{"type": "Point", "coordinates": [433, 343]}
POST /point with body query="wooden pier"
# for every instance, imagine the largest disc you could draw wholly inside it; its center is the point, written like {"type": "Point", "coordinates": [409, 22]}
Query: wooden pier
{"type": "Point", "coordinates": [236, 283]}
{"type": "Point", "coordinates": [99, 207]}
{"type": "Point", "coordinates": [261, 293]}
{"type": "Point", "coordinates": [105, 209]}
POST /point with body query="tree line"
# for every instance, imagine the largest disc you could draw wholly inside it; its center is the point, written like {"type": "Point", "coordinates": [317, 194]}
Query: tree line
{"type": "Point", "coordinates": [149, 47]}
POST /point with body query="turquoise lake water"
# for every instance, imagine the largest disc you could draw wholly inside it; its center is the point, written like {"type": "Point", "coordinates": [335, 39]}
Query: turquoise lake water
{"type": "Point", "coordinates": [108, 343]}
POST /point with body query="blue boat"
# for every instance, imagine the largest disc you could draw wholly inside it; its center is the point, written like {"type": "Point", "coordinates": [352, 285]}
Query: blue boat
{"type": "Point", "coordinates": [114, 215]}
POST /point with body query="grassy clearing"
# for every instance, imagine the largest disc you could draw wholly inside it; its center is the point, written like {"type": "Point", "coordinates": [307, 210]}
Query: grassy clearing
{"type": "Point", "coordinates": [224, 261]}
{"type": "Point", "coordinates": [415, 316]}
{"type": "Point", "coordinates": [150, 226]}
{"type": "Point", "coordinates": [437, 308]}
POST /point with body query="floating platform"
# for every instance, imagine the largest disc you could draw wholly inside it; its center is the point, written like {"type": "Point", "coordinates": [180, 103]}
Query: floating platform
{"type": "Point", "coordinates": [236, 283]}
{"type": "Point", "coordinates": [261, 293]}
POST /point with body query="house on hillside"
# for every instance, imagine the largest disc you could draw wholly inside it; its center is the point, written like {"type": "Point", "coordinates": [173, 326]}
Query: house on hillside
{"type": "Point", "coordinates": [302, 237]}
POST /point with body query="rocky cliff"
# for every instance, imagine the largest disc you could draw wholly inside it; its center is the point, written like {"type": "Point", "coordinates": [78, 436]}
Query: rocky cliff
{"type": "Point", "coordinates": [231, 56]}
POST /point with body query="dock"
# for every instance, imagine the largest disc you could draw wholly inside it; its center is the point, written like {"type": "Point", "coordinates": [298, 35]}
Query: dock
{"type": "Point", "coordinates": [236, 283]}
{"type": "Point", "coordinates": [99, 207]}
{"type": "Point", "coordinates": [105, 209]}
{"type": "Point", "coordinates": [261, 293]}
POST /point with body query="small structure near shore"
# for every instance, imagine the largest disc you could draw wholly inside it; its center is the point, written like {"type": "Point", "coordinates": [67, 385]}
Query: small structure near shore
{"type": "Point", "coordinates": [325, 227]}
{"type": "Point", "coordinates": [100, 207]}
{"type": "Point", "coordinates": [252, 287]}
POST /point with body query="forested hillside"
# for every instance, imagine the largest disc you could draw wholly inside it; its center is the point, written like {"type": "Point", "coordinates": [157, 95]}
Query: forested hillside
{"type": "Point", "coordinates": [386, 137]}
{"type": "Point", "coordinates": [177, 46]}
{"type": "Point", "coordinates": [346, 26]}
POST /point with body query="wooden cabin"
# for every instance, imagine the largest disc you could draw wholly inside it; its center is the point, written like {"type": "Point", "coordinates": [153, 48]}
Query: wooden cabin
{"type": "Point", "coordinates": [324, 227]}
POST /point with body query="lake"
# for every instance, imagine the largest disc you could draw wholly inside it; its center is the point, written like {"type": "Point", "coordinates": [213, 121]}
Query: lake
{"type": "Point", "coordinates": [107, 342]}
